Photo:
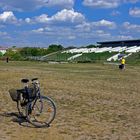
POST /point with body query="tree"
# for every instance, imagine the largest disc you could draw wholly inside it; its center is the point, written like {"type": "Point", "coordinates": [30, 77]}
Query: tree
{"type": "Point", "coordinates": [29, 51]}
{"type": "Point", "coordinates": [70, 47]}
{"type": "Point", "coordinates": [91, 46]}
{"type": "Point", "coordinates": [13, 55]}
{"type": "Point", "coordinates": [26, 51]}
{"type": "Point", "coordinates": [54, 48]}
{"type": "Point", "coordinates": [1, 54]}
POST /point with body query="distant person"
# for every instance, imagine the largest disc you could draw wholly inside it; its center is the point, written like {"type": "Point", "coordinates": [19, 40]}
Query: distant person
{"type": "Point", "coordinates": [7, 59]}
{"type": "Point", "coordinates": [122, 66]}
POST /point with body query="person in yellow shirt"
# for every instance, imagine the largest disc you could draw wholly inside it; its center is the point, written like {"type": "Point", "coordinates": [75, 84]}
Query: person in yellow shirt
{"type": "Point", "coordinates": [122, 63]}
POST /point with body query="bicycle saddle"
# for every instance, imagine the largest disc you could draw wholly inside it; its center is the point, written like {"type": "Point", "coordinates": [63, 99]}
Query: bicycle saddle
{"type": "Point", "coordinates": [24, 80]}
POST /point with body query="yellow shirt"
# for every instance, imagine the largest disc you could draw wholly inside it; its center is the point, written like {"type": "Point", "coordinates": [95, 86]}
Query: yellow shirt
{"type": "Point", "coordinates": [123, 61]}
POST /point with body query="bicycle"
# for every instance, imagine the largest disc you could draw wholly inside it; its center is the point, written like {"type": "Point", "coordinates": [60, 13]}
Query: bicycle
{"type": "Point", "coordinates": [38, 110]}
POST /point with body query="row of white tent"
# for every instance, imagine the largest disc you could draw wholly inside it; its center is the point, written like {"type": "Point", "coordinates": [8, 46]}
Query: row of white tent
{"type": "Point", "coordinates": [132, 49]}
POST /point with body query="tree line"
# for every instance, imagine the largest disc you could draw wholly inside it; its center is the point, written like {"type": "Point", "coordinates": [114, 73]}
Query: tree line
{"type": "Point", "coordinates": [15, 53]}
{"type": "Point", "coordinates": [24, 53]}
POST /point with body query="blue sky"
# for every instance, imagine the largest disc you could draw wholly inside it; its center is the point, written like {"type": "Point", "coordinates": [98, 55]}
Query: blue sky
{"type": "Point", "coordinates": [39, 23]}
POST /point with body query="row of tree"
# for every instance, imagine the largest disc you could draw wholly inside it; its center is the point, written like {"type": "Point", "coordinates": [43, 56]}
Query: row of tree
{"type": "Point", "coordinates": [15, 53]}
{"type": "Point", "coordinates": [25, 53]}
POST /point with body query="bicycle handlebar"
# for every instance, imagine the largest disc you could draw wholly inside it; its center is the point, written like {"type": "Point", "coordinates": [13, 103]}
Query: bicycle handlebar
{"type": "Point", "coordinates": [24, 80]}
{"type": "Point", "coordinates": [27, 80]}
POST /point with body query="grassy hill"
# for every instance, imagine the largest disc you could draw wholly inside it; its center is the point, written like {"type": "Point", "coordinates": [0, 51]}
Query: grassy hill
{"type": "Point", "coordinates": [86, 57]}
{"type": "Point", "coordinates": [58, 57]}
{"type": "Point", "coordinates": [89, 57]}
{"type": "Point", "coordinates": [134, 58]}
{"type": "Point", "coordinates": [94, 57]}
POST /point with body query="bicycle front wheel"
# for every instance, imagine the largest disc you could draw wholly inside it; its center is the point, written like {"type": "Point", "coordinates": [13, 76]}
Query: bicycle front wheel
{"type": "Point", "coordinates": [41, 112]}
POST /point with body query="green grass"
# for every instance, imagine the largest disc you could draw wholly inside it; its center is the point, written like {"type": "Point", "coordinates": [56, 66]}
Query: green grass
{"type": "Point", "coordinates": [58, 57]}
{"type": "Point", "coordinates": [94, 57]}
{"type": "Point", "coordinates": [91, 57]}
{"type": "Point", "coordinates": [134, 59]}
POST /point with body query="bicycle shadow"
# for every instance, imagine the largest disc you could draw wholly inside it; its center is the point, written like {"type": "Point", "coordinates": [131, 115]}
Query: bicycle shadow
{"type": "Point", "coordinates": [15, 117]}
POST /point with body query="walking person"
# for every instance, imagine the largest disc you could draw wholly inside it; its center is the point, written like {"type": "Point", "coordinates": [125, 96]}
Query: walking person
{"type": "Point", "coordinates": [122, 66]}
{"type": "Point", "coordinates": [7, 59]}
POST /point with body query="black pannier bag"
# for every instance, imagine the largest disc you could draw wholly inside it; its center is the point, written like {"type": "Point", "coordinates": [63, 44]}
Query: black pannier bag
{"type": "Point", "coordinates": [14, 95]}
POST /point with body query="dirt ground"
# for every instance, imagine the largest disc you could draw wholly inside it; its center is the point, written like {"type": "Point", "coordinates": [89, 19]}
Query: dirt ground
{"type": "Point", "coordinates": [94, 101]}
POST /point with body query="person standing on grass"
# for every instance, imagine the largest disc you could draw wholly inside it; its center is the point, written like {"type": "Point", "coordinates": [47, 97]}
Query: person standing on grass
{"type": "Point", "coordinates": [123, 63]}
{"type": "Point", "coordinates": [7, 59]}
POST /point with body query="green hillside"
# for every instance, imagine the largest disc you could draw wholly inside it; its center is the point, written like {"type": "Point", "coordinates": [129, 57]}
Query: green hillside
{"type": "Point", "coordinates": [89, 57]}
{"type": "Point", "coordinates": [58, 56]}
{"type": "Point", "coordinates": [94, 57]}
{"type": "Point", "coordinates": [134, 58]}
{"type": "Point", "coordinates": [86, 57]}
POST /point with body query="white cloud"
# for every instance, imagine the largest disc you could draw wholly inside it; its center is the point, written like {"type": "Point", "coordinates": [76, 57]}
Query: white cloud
{"type": "Point", "coordinates": [63, 16]}
{"type": "Point", "coordinates": [102, 3]}
{"type": "Point", "coordinates": [85, 30]}
{"type": "Point", "coordinates": [71, 37]}
{"type": "Point", "coordinates": [68, 15]}
{"type": "Point", "coordinates": [131, 1]}
{"type": "Point", "coordinates": [135, 12]}
{"type": "Point", "coordinates": [62, 3]}
{"type": "Point", "coordinates": [28, 20]}
{"type": "Point", "coordinates": [102, 34]}
{"type": "Point", "coordinates": [84, 27]}
{"type": "Point", "coordinates": [107, 3]}
{"type": "Point", "coordinates": [105, 23]}
{"type": "Point", "coordinates": [68, 33]}
{"type": "Point", "coordinates": [124, 37]}
{"type": "Point", "coordinates": [131, 27]}
{"type": "Point", "coordinates": [26, 5]}
{"type": "Point", "coordinates": [89, 26]}
{"type": "Point", "coordinates": [55, 33]}
{"type": "Point", "coordinates": [8, 17]}
{"type": "Point", "coordinates": [42, 18]}
{"type": "Point", "coordinates": [38, 31]}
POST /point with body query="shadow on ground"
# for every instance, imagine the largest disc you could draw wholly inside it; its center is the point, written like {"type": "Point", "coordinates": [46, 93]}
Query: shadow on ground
{"type": "Point", "coordinates": [15, 117]}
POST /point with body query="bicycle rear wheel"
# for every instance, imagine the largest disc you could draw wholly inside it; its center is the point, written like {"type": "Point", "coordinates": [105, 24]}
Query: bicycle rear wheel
{"type": "Point", "coordinates": [41, 112]}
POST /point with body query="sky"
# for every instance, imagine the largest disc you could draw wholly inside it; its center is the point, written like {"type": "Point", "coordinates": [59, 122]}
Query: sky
{"type": "Point", "coordinates": [39, 23]}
